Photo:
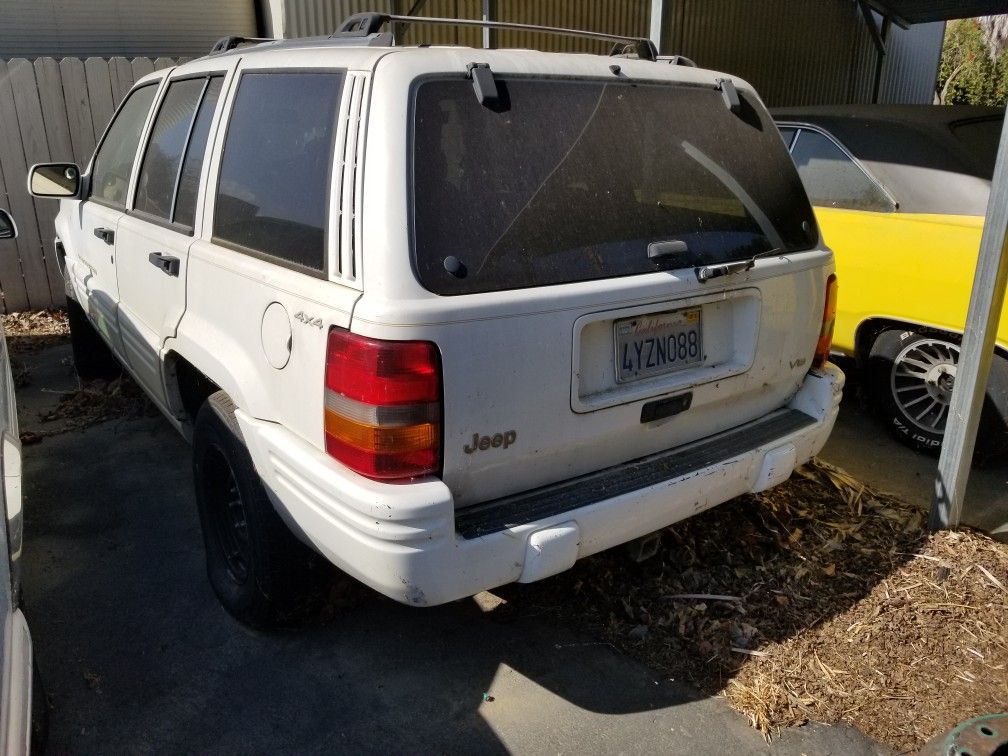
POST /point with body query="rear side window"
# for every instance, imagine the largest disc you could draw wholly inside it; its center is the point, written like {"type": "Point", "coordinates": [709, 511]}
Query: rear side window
{"type": "Point", "coordinates": [113, 162]}
{"type": "Point", "coordinates": [159, 171]}
{"type": "Point", "coordinates": [573, 180]}
{"type": "Point", "coordinates": [192, 164]}
{"type": "Point", "coordinates": [274, 175]}
{"type": "Point", "coordinates": [832, 179]}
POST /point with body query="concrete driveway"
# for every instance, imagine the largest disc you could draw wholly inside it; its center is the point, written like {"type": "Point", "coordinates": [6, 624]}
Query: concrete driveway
{"type": "Point", "coordinates": [138, 657]}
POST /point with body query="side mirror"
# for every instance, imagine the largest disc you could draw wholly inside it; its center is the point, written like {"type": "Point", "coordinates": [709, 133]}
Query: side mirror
{"type": "Point", "coordinates": [54, 180]}
{"type": "Point", "coordinates": [8, 229]}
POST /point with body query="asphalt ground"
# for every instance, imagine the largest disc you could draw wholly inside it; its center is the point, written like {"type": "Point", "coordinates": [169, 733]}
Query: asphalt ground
{"type": "Point", "coordinates": [137, 656]}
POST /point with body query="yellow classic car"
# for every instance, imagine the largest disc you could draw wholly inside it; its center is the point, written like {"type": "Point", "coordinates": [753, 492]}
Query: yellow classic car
{"type": "Point", "coordinates": [900, 194]}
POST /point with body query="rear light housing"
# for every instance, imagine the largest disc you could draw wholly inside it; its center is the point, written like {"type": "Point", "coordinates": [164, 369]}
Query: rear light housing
{"type": "Point", "coordinates": [383, 406]}
{"type": "Point", "coordinates": [825, 343]}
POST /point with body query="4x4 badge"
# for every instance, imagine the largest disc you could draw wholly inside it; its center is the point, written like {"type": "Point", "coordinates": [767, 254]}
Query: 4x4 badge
{"type": "Point", "coordinates": [308, 319]}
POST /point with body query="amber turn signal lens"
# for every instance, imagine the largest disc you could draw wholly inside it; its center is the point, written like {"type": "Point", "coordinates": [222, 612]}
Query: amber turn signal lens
{"type": "Point", "coordinates": [825, 343]}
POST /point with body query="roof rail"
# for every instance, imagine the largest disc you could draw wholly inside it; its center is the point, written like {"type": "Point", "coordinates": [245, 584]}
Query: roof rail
{"type": "Point", "coordinates": [366, 24]}
{"type": "Point", "coordinates": [230, 43]}
{"type": "Point", "coordinates": [676, 60]}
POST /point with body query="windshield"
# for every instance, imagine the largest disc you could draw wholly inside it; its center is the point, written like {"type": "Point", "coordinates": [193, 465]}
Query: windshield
{"type": "Point", "coordinates": [572, 180]}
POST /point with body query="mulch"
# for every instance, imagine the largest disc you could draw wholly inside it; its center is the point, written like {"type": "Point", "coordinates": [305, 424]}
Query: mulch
{"type": "Point", "coordinates": [819, 600]}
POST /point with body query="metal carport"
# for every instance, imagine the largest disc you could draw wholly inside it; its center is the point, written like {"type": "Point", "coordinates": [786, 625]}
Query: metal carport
{"type": "Point", "coordinates": [989, 285]}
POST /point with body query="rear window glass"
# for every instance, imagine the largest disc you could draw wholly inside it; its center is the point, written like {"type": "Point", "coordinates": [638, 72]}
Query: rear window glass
{"type": "Point", "coordinates": [832, 179]}
{"type": "Point", "coordinates": [274, 174]}
{"type": "Point", "coordinates": [572, 180]}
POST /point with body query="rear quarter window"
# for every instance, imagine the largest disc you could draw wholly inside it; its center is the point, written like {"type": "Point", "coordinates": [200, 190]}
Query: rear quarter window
{"type": "Point", "coordinates": [274, 176]}
{"type": "Point", "coordinates": [571, 180]}
{"type": "Point", "coordinates": [832, 178]}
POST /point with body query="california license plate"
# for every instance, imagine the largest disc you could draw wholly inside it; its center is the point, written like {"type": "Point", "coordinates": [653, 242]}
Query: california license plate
{"type": "Point", "coordinates": [650, 345]}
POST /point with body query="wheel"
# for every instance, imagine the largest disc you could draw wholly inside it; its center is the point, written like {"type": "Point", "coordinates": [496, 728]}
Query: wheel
{"type": "Point", "coordinates": [258, 569]}
{"type": "Point", "coordinates": [910, 380]}
{"type": "Point", "coordinates": [92, 356]}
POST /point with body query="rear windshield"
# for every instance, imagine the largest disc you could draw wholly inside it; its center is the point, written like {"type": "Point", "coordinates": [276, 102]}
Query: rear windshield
{"type": "Point", "coordinates": [572, 180]}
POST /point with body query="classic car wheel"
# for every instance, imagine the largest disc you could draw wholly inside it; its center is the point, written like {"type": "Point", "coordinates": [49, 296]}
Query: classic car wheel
{"type": "Point", "coordinates": [910, 380]}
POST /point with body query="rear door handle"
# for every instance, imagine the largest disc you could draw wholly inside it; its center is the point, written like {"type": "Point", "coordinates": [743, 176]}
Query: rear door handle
{"type": "Point", "coordinates": [166, 263]}
{"type": "Point", "coordinates": [107, 235]}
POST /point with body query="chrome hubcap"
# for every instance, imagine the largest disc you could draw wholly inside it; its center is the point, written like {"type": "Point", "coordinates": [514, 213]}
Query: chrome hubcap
{"type": "Point", "coordinates": [922, 380]}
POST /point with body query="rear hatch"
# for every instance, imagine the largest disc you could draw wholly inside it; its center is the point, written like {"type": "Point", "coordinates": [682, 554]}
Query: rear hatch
{"type": "Point", "coordinates": [565, 229]}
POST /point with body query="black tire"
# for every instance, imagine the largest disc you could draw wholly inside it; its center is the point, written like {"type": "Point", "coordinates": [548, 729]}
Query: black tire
{"type": "Point", "coordinates": [260, 572]}
{"type": "Point", "coordinates": [92, 356]}
{"type": "Point", "coordinates": [910, 376]}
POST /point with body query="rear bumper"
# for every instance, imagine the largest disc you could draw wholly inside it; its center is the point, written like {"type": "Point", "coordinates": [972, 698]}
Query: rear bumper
{"type": "Point", "coordinates": [406, 541]}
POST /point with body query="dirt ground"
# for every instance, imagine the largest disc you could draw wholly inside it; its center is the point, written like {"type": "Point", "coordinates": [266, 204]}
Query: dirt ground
{"type": "Point", "coordinates": [819, 600]}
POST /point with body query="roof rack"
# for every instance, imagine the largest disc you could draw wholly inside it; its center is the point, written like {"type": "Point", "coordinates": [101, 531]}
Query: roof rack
{"type": "Point", "coordinates": [367, 24]}
{"type": "Point", "coordinates": [230, 43]}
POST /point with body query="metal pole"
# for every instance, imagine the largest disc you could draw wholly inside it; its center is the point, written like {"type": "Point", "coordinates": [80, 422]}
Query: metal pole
{"type": "Point", "coordinates": [973, 369]}
{"type": "Point", "coordinates": [486, 29]}
{"type": "Point", "coordinates": [657, 10]}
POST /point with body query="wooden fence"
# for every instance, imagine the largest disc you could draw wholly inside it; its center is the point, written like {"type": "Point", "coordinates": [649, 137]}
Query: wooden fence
{"type": "Point", "coordinates": [50, 111]}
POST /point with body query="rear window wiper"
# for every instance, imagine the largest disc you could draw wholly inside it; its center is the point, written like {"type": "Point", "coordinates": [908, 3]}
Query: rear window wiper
{"type": "Point", "coordinates": [705, 273]}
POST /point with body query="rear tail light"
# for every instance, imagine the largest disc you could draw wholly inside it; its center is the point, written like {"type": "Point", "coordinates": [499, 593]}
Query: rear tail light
{"type": "Point", "coordinates": [825, 343]}
{"type": "Point", "coordinates": [383, 406]}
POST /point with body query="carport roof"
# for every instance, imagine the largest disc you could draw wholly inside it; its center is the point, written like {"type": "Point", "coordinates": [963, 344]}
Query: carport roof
{"type": "Point", "coordinates": [907, 12]}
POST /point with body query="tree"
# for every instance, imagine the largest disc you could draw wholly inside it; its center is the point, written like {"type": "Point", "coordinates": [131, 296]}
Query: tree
{"type": "Point", "coordinates": [974, 62]}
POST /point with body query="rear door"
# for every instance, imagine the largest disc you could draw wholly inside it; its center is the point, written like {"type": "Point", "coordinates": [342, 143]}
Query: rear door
{"type": "Point", "coordinates": [574, 234]}
{"type": "Point", "coordinates": [111, 172]}
{"type": "Point", "coordinates": [154, 237]}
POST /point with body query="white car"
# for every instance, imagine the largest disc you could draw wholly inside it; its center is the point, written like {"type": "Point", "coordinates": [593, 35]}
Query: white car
{"type": "Point", "coordinates": [452, 317]}
{"type": "Point", "coordinates": [18, 680]}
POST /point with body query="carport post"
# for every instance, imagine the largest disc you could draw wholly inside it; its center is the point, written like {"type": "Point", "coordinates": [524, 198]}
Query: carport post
{"type": "Point", "coordinates": [977, 352]}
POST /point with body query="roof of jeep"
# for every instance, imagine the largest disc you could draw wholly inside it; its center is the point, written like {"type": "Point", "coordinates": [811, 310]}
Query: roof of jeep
{"type": "Point", "coordinates": [363, 58]}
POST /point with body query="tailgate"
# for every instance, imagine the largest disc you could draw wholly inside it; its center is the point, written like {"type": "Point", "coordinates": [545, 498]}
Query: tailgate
{"type": "Point", "coordinates": [567, 244]}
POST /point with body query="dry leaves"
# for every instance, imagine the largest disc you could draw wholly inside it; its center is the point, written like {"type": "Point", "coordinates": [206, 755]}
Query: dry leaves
{"type": "Point", "coordinates": [818, 600]}
{"type": "Point", "coordinates": [31, 331]}
{"type": "Point", "coordinates": [94, 402]}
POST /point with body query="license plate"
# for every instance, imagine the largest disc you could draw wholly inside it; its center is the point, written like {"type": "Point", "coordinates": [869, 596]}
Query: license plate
{"type": "Point", "coordinates": [651, 345]}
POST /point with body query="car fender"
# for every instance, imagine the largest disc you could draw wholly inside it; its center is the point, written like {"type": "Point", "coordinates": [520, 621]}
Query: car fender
{"type": "Point", "coordinates": [216, 354]}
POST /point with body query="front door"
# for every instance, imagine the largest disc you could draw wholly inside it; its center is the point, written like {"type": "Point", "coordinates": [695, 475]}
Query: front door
{"type": "Point", "coordinates": [154, 237]}
{"type": "Point", "coordinates": [95, 280]}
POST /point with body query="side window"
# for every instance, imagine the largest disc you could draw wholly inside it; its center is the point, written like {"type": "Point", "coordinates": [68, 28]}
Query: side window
{"type": "Point", "coordinates": [192, 164]}
{"type": "Point", "coordinates": [114, 160]}
{"type": "Point", "coordinates": [832, 179]}
{"type": "Point", "coordinates": [159, 169]}
{"type": "Point", "coordinates": [274, 175]}
{"type": "Point", "coordinates": [169, 173]}
{"type": "Point", "coordinates": [787, 134]}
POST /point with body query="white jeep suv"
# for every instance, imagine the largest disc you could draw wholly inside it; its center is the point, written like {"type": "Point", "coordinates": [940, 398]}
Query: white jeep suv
{"type": "Point", "coordinates": [451, 317]}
